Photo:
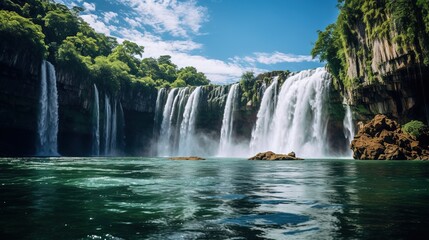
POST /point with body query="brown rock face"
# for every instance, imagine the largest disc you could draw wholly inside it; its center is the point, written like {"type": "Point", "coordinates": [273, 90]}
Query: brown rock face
{"type": "Point", "coordinates": [192, 158]}
{"type": "Point", "coordinates": [271, 156]}
{"type": "Point", "coordinates": [383, 139]}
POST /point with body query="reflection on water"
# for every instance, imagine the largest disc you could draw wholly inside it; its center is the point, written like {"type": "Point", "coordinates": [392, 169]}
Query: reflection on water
{"type": "Point", "coordinates": [149, 198]}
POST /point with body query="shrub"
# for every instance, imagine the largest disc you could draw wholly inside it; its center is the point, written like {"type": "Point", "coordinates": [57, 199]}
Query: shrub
{"type": "Point", "coordinates": [415, 128]}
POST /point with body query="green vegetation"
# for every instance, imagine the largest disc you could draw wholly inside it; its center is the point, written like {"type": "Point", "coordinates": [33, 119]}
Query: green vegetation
{"type": "Point", "coordinates": [347, 45]}
{"type": "Point", "coordinates": [50, 30]}
{"type": "Point", "coordinates": [17, 31]}
{"type": "Point", "coordinates": [251, 85]}
{"type": "Point", "coordinates": [415, 128]}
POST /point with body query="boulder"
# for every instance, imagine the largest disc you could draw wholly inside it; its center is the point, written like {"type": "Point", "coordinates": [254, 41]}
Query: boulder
{"type": "Point", "coordinates": [192, 158]}
{"type": "Point", "coordinates": [383, 139]}
{"type": "Point", "coordinates": [271, 156]}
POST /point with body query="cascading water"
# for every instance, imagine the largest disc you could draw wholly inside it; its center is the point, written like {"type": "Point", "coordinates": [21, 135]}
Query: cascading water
{"type": "Point", "coordinates": [225, 143]}
{"type": "Point", "coordinates": [110, 127]}
{"type": "Point", "coordinates": [299, 120]}
{"type": "Point", "coordinates": [113, 131]}
{"type": "Point", "coordinates": [178, 121]}
{"type": "Point", "coordinates": [96, 124]}
{"type": "Point", "coordinates": [349, 131]}
{"type": "Point", "coordinates": [48, 114]}
{"type": "Point", "coordinates": [176, 117]}
{"type": "Point", "coordinates": [260, 133]}
{"type": "Point", "coordinates": [187, 127]}
{"type": "Point", "coordinates": [107, 124]}
{"type": "Point", "coordinates": [121, 129]}
{"type": "Point", "coordinates": [160, 101]}
{"type": "Point", "coordinates": [164, 139]}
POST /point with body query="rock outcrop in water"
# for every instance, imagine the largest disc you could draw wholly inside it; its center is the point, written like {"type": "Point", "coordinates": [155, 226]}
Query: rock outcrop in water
{"type": "Point", "coordinates": [383, 139]}
{"type": "Point", "coordinates": [191, 158]}
{"type": "Point", "coordinates": [271, 156]}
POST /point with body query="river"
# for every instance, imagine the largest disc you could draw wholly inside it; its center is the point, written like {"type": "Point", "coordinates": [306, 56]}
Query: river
{"type": "Point", "coordinates": [219, 198]}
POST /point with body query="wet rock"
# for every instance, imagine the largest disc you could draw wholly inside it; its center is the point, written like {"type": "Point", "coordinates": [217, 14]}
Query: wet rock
{"type": "Point", "coordinates": [383, 139]}
{"type": "Point", "coordinates": [271, 156]}
{"type": "Point", "coordinates": [192, 158]}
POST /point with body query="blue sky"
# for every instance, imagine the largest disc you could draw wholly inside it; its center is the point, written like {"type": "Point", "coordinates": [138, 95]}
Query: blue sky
{"type": "Point", "coordinates": [222, 38]}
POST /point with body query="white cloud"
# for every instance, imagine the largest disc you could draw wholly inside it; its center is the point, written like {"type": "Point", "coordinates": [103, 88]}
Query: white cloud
{"type": "Point", "coordinates": [217, 71]}
{"type": "Point", "coordinates": [95, 22]}
{"type": "Point", "coordinates": [109, 16]}
{"type": "Point", "coordinates": [274, 58]}
{"type": "Point", "coordinates": [179, 18]}
{"type": "Point", "coordinates": [132, 22]}
{"type": "Point", "coordinates": [89, 6]}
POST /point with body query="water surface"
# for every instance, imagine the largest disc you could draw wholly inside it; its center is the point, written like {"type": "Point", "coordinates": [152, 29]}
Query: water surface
{"type": "Point", "coordinates": [220, 198]}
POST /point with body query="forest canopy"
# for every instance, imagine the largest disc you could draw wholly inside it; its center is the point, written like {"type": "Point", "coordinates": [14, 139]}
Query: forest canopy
{"type": "Point", "coordinates": [52, 31]}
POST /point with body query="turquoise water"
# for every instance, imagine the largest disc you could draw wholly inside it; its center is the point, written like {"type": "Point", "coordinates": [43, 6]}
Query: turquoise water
{"type": "Point", "coordinates": [220, 198]}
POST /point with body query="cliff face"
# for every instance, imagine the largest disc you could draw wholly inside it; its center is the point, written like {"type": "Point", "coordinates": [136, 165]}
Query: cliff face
{"type": "Point", "coordinates": [378, 53]}
{"type": "Point", "coordinates": [391, 81]}
{"type": "Point", "coordinates": [19, 107]}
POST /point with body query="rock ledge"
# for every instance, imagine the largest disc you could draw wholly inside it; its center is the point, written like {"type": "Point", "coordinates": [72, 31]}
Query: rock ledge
{"type": "Point", "coordinates": [192, 158]}
{"type": "Point", "coordinates": [271, 156]}
{"type": "Point", "coordinates": [383, 139]}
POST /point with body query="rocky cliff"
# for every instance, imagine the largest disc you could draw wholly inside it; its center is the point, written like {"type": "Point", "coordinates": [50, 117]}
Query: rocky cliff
{"type": "Point", "coordinates": [19, 96]}
{"type": "Point", "coordinates": [378, 52]}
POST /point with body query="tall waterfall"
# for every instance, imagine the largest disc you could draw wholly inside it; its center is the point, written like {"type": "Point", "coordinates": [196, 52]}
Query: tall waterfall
{"type": "Point", "coordinates": [160, 101]}
{"type": "Point", "coordinates": [187, 127]}
{"type": "Point", "coordinates": [299, 120]}
{"type": "Point", "coordinates": [121, 129]}
{"type": "Point", "coordinates": [110, 127]}
{"type": "Point", "coordinates": [176, 116]}
{"type": "Point", "coordinates": [48, 112]}
{"type": "Point", "coordinates": [178, 121]}
{"type": "Point", "coordinates": [349, 131]}
{"type": "Point", "coordinates": [260, 133]}
{"type": "Point", "coordinates": [225, 143]}
{"type": "Point", "coordinates": [96, 124]}
{"type": "Point", "coordinates": [113, 131]}
{"type": "Point", "coordinates": [164, 140]}
{"type": "Point", "coordinates": [107, 124]}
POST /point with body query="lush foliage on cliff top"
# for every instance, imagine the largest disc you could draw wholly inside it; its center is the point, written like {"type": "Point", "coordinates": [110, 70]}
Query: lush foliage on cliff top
{"type": "Point", "coordinates": [404, 23]}
{"type": "Point", "coordinates": [51, 30]}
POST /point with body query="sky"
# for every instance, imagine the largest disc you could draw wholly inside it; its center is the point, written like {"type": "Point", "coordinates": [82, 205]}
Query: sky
{"type": "Point", "coordinates": [222, 38]}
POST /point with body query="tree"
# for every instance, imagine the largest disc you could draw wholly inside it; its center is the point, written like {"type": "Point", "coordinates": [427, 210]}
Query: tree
{"type": "Point", "coordinates": [178, 83]}
{"type": "Point", "coordinates": [327, 47]}
{"type": "Point", "coordinates": [127, 52]}
{"type": "Point", "coordinates": [21, 33]}
{"type": "Point", "coordinates": [59, 25]}
{"type": "Point", "coordinates": [109, 73]}
{"type": "Point", "coordinates": [192, 77]}
{"type": "Point", "coordinates": [149, 67]}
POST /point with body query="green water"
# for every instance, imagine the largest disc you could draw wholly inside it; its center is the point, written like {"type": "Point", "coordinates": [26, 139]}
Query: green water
{"type": "Point", "coordinates": [156, 198]}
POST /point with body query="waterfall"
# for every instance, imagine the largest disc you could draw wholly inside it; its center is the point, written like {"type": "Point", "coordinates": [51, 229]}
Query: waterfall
{"type": "Point", "coordinates": [299, 121]}
{"type": "Point", "coordinates": [113, 130]}
{"type": "Point", "coordinates": [48, 112]}
{"type": "Point", "coordinates": [349, 131]}
{"type": "Point", "coordinates": [187, 127]}
{"type": "Point", "coordinates": [164, 140]}
{"type": "Point", "coordinates": [176, 117]}
{"type": "Point", "coordinates": [121, 130]}
{"type": "Point", "coordinates": [160, 101]}
{"type": "Point", "coordinates": [96, 124]}
{"type": "Point", "coordinates": [107, 124]}
{"type": "Point", "coordinates": [260, 133]}
{"type": "Point", "coordinates": [225, 143]}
